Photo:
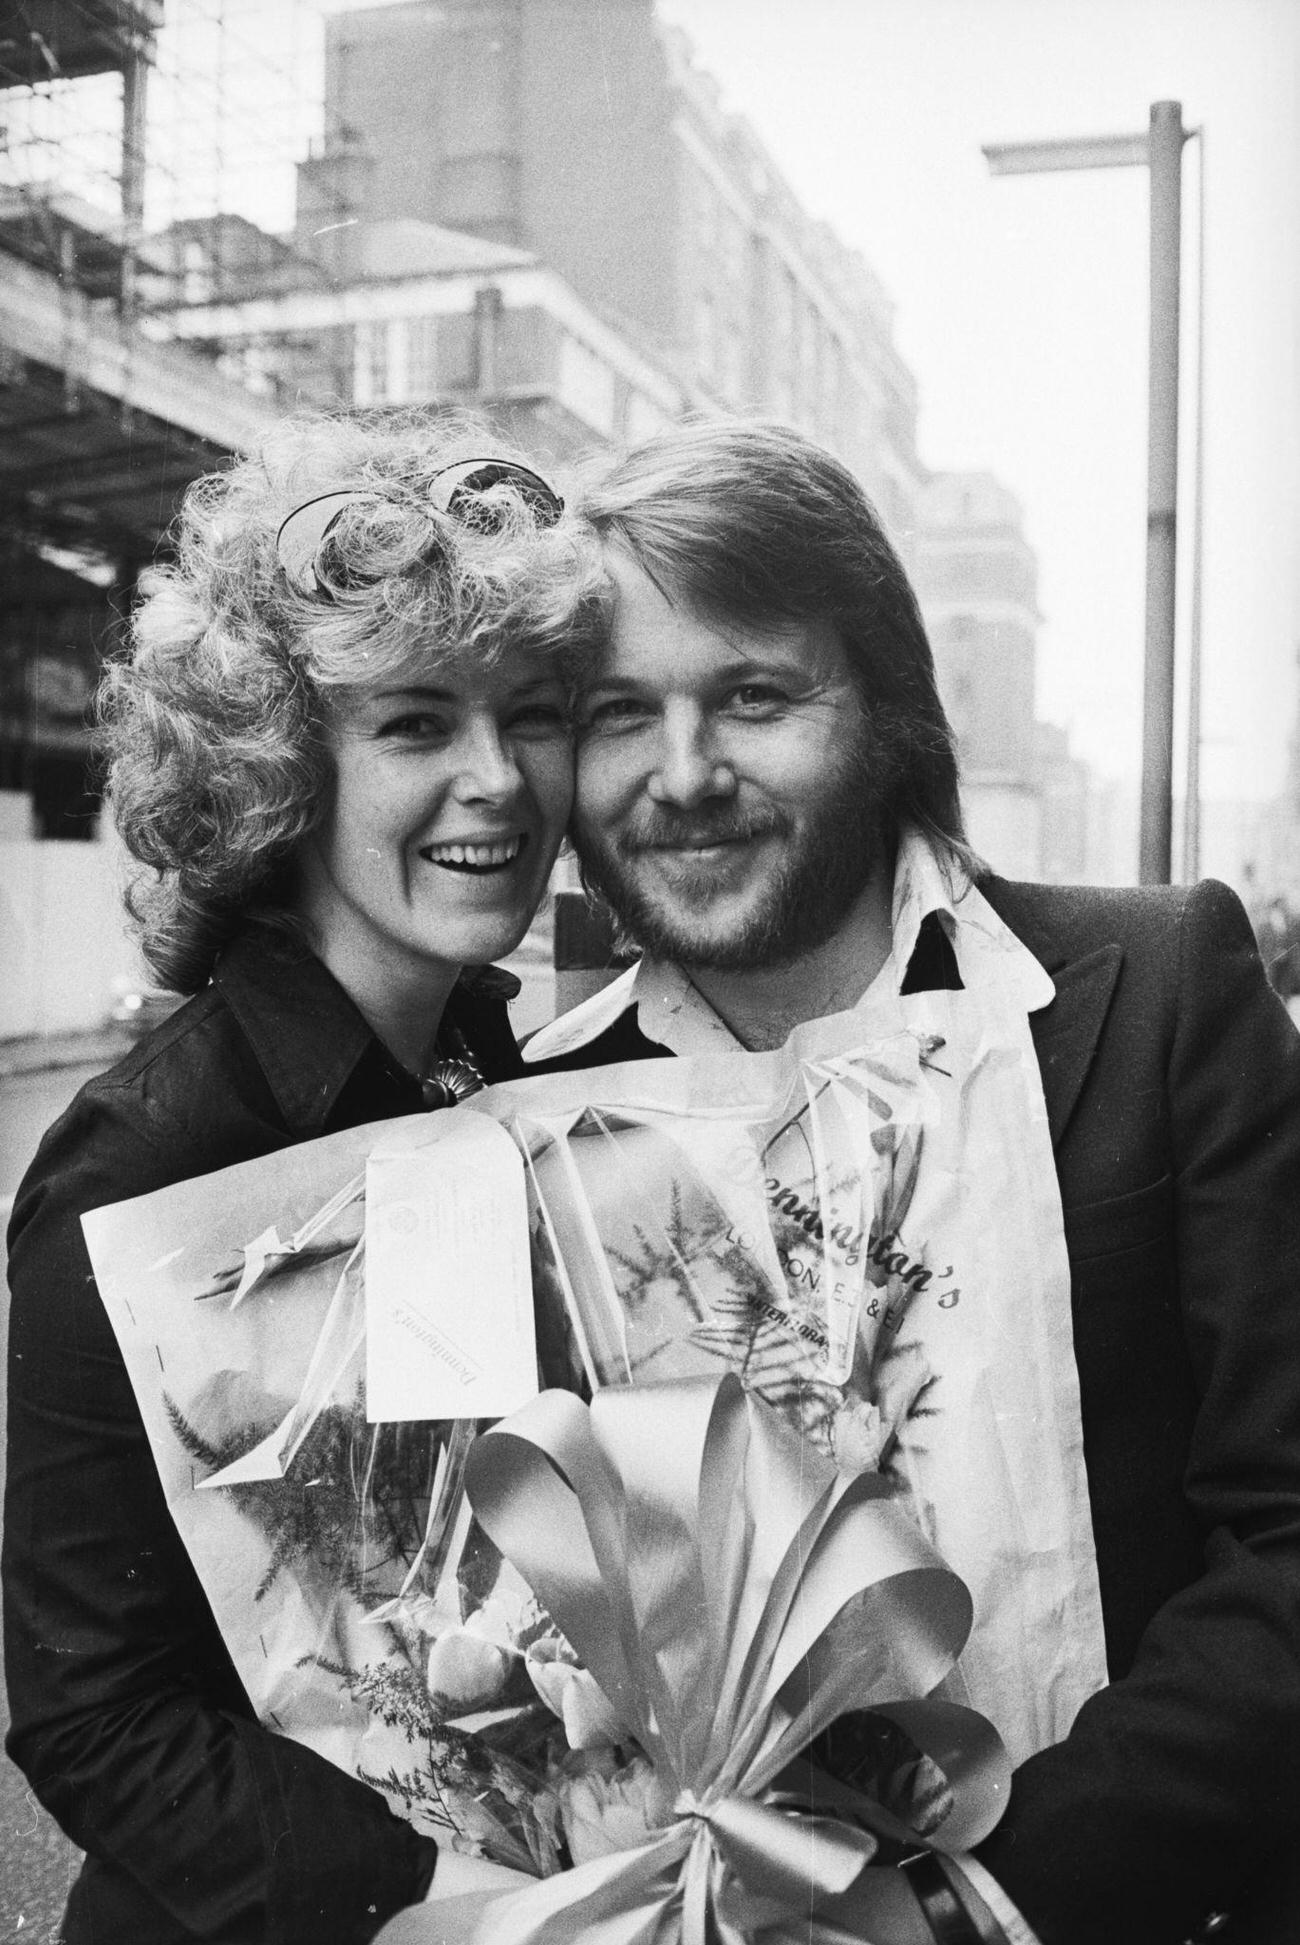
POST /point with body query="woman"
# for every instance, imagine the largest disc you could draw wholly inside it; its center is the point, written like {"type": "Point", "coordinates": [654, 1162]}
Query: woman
{"type": "Point", "coordinates": [340, 751]}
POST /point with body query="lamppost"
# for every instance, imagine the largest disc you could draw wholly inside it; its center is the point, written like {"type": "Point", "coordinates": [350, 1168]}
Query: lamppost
{"type": "Point", "coordinates": [1160, 149]}
{"type": "Point", "coordinates": [1192, 781]}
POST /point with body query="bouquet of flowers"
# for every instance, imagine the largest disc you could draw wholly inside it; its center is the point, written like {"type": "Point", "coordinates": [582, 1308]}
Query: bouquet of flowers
{"type": "Point", "coordinates": [312, 1396]}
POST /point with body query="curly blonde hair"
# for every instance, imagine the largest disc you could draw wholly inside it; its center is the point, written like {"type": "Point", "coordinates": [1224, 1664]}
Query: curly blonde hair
{"type": "Point", "coordinates": [213, 718]}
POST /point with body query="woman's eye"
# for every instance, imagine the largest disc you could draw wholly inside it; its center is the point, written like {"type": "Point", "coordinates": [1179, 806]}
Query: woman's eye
{"type": "Point", "coordinates": [416, 726]}
{"type": "Point", "coordinates": [614, 712]}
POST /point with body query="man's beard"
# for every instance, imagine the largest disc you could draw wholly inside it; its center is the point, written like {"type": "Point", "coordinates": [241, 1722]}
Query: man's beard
{"type": "Point", "coordinates": [822, 873]}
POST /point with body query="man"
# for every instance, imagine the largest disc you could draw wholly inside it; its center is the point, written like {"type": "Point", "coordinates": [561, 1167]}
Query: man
{"type": "Point", "coordinates": [767, 797]}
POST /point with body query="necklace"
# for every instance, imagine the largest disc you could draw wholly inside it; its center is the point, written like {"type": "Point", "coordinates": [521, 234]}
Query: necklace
{"type": "Point", "coordinates": [454, 1076]}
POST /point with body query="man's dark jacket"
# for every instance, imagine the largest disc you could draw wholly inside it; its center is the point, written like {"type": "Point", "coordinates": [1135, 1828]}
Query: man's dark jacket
{"type": "Point", "coordinates": [1172, 1080]}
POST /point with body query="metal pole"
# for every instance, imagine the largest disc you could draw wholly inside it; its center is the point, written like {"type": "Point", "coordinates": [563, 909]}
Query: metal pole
{"type": "Point", "coordinates": [1083, 152]}
{"type": "Point", "coordinates": [1192, 801]}
{"type": "Point", "coordinates": [1165, 156]}
{"type": "Point", "coordinates": [135, 70]}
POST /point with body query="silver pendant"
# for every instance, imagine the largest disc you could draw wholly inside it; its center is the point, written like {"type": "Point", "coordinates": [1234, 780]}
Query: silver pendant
{"type": "Point", "coordinates": [449, 1081]}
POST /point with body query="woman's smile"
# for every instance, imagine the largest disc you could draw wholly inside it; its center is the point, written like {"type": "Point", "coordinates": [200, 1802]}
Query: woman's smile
{"type": "Point", "coordinates": [477, 857]}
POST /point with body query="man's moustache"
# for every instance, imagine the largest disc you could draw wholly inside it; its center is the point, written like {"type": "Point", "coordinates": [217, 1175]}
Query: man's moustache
{"type": "Point", "coordinates": [684, 834]}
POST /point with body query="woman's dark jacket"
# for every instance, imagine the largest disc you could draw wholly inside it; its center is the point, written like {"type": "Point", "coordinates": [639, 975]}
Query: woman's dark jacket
{"type": "Point", "coordinates": [127, 1716]}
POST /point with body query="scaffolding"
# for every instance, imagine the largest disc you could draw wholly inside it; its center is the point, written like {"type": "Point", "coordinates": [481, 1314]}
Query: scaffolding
{"type": "Point", "coordinates": [72, 153]}
{"type": "Point", "coordinates": [238, 101]}
{"type": "Point", "coordinates": [149, 148]}
{"type": "Point", "coordinates": [147, 156]}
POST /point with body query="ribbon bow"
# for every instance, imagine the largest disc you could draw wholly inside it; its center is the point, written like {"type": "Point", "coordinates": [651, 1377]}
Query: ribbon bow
{"type": "Point", "coordinates": [733, 1594]}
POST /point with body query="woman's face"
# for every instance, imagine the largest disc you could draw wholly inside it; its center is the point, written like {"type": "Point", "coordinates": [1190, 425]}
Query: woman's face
{"type": "Point", "coordinates": [450, 797]}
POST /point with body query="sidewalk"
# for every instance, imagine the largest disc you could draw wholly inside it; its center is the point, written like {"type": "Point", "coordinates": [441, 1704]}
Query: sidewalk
{"type": "Point", "coordinates": [38, 1053]}
{"type": "Point", "coordinates": [38, 1077]}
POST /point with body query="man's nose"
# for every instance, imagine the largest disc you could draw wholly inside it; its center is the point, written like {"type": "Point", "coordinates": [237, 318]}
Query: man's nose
{"type": "Point", "coordinates": [691, 766]}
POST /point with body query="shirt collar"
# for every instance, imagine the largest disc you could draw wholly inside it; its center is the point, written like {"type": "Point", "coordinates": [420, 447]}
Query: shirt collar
{"type": "Point", "coordinates": [987, 951]}
{"type": "Point", "coordinates": [675, 1014]}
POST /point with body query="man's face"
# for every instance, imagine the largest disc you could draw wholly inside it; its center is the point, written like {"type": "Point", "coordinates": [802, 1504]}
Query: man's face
{"type": "Point", "coordinates": [729, 803]}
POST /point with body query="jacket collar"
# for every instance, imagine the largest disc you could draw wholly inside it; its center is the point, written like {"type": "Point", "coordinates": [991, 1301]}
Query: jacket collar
{"type": "Point", "coordinates": [1065, 1033]}
{"type": "Point", "coordinates": [305, 1033]}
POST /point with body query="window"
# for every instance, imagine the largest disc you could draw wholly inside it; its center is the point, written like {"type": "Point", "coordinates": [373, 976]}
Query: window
{"type": "Point", "coordinates": [370, 364]}
{"type": "Point", "coordinates": [421, 357]}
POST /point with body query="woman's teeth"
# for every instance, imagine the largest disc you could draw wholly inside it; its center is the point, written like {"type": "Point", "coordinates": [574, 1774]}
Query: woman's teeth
{"type": "Point", "coordinates": [474, 857]}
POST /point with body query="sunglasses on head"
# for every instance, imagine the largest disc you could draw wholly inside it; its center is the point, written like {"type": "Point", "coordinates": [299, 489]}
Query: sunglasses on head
{"type": "Point", "coordinates": [460, 491]}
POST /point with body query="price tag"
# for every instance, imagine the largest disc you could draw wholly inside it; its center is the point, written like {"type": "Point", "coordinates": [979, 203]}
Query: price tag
{"type": "Point", "coordinates": [449, 1304]}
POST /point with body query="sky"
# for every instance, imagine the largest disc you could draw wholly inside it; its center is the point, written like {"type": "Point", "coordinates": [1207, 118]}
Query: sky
{"type": "Point", "coordinates": [1022, 302]}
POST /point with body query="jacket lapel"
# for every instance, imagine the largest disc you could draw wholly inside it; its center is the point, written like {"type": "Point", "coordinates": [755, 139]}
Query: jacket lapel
{"type": "Point", "coordinates": [1066, 1032]}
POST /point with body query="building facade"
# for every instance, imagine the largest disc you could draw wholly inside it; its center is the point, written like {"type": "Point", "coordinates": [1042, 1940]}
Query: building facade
{"type": "Point", "coordinates": [976, 577]}
{"type": "Point", "coordinates": [432, 316]}
{"type": "Point", "coordinates": [587, 139]}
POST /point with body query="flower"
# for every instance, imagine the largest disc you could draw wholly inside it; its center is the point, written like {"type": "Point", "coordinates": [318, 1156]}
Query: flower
{"type": "Point", "coordinates": [470, 1667]}
{"type": "Point", "coordinates": [573, 1693]}
{"type": "Point", "coordinates": [466, 1671]}
{"type": "Point", "coordinates": [606, 1808]}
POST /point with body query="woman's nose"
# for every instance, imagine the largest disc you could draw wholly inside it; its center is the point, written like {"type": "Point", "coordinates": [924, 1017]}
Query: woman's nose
{"type": "Point", "coordinates": [690, 767]}
{"type": "Point", "coordinates": [487, 768]}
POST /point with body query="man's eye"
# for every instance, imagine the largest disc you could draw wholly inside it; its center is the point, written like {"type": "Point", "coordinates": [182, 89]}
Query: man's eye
{"type": "Point", "coordinates": [757, 696]}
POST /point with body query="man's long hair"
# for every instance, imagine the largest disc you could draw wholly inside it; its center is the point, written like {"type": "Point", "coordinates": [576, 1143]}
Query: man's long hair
{"type": "Point", "coordinates": [749, 522]}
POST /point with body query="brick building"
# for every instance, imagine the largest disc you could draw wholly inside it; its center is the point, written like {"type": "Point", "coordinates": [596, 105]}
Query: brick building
{"type": "Point", "coordinates": [586, 139]}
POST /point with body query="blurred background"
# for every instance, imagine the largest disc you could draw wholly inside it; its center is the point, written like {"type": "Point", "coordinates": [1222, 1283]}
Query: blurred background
{"type": "Point", "coordinates": [582, 218]}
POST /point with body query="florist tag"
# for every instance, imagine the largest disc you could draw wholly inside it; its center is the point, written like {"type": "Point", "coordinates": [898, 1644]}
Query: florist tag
{"type": "Point", "coordinates": [449, 1305]}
